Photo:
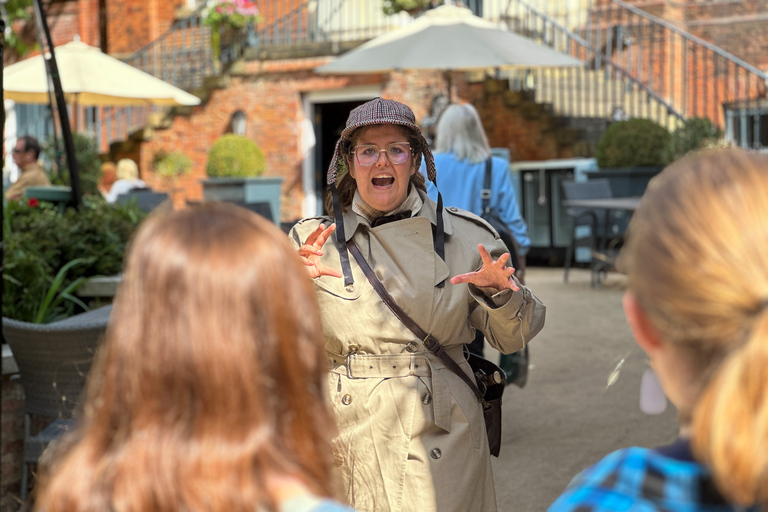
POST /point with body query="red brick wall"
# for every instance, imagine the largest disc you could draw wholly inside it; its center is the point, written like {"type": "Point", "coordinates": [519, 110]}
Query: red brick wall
{"type": "Point", "coordinates": [270, 94]}
{"type": "Point", "coordinates": [131, 24]}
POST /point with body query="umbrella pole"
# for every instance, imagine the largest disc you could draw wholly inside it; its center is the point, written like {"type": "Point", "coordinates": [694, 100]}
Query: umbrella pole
{"type": "Point", "coordinates": [61, 105]}
{"type": "Point", "coordinates": [447, 74]}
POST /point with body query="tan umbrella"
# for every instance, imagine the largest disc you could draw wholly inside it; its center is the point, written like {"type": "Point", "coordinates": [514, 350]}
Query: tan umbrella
{"type": "Point", "coordinates": [91, 78]}
{"type": "Point", "coordinates": [448, 38]}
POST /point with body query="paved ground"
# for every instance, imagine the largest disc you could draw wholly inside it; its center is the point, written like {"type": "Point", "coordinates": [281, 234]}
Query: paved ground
{"type": "Point", "coordinates": [566, 418]}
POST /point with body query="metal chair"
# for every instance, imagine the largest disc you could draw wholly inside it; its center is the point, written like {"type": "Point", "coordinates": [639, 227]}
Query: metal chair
{"type": "Point", "coordinates": [594, 219]}
{"type": "Point", "coordinates": [54, 361]}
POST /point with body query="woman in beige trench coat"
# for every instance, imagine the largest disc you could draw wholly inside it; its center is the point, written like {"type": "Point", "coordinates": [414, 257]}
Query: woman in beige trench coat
{"type": "Point", "coordinates": [412, 435]}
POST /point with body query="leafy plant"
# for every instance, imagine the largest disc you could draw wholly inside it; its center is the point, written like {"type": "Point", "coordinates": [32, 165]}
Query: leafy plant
{"type": "Point", "coordinates": [696, 133]}
{"type": "Point", "coordinates": [170, 166]}
{"type": "Point", "coordinates": [17, 10]}
{"type": "Point", "coordinates": [233, 13]}
{"type": "Point", "coordinates": [633, 143]}
{"type": "Point", "coordinates": [88, 163]}
{"type": "Point", "coordinates": [51, 308]}
{"type": "Point", "coordinates": [39, 242]}
{"type": "Point", "coordinates": [394, 6]}
{"type": "Point", "coordinates": [235, 156]}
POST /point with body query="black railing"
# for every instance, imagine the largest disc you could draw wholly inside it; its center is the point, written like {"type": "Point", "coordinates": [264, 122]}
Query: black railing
{"type": "Point", "coordinates": [599, 89]}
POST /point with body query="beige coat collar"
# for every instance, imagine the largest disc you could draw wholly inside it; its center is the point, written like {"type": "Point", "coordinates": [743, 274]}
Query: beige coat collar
{"type": "Point", "coordinates": [353, 220]}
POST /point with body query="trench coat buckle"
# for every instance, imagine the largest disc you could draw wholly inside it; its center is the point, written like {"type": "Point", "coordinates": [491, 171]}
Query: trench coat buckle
{"type": "Point", "coordinates": [432, 345]}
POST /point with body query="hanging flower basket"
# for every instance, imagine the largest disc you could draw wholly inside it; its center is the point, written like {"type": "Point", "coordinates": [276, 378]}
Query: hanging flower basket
{"type": "Point", "coordinates": [228, 14]}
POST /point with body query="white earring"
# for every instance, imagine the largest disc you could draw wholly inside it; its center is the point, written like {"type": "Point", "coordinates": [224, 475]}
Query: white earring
{"type": "Point", "coordinates": [652, 397]}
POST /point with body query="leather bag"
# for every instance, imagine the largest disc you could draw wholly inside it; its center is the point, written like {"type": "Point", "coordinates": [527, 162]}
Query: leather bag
{"type": "Point", "coordinates": [515, 365]}
{"type": "Point", "coordinates": [489, 378]}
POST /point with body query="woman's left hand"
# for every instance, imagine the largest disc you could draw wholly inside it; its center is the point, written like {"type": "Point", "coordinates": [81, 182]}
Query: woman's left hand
{"type": "Point", "coordinates": [493, 274]}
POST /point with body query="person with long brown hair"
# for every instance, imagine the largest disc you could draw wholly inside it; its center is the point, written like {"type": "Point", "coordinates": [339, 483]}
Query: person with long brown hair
{"type": "Point", "coordinates": [697, 302]}
{"type": "Point", "coordinates": [209, 391]}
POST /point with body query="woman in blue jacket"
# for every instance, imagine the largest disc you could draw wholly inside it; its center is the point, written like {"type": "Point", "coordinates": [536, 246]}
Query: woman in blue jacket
{"type": "Point", "coordinates": [461, 152]}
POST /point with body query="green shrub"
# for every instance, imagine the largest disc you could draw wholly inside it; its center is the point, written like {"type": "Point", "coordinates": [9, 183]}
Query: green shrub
{"type": "Point", "coordinates": [394, 6]}
{"type": "Point", "coordinates": [696, 133]}
{"type": "Point", "coordinates": [39, 242]}
{"type": "Point", "coordinates": [88, 163]}
{"type": "Point", "coordinates": [633, 143]}
{"type": "Point", "coordinates": [235, 156]}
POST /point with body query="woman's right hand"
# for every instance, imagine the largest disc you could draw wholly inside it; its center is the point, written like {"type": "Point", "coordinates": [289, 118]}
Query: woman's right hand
{"type": "Point", "coordinates": [312, 249]}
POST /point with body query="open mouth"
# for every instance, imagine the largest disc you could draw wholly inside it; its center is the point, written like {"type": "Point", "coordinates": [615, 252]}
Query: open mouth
{"type": "Point", "coordinates": [383, 181]}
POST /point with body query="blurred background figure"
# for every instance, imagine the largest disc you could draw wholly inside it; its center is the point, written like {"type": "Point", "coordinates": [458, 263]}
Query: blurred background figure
{"type": "Point", "coordinates": [108, 177]}
{"type": "Point", "coordinates": [697, 303]}
{"type": "Point", "coordinates": [461, 151]}
{"type": "Point", "coordinates": [209, 390]}
{"type": "Point", "coordinates": [127, 179]}
{"type": "Point", "coordinates": [26, 154]}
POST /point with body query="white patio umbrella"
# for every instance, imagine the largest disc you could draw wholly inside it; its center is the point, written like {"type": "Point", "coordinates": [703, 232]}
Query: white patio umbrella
{"type": "Point", "coordinates": [448, 38]}
{"type": "Point", "coordinates": [91, 78]}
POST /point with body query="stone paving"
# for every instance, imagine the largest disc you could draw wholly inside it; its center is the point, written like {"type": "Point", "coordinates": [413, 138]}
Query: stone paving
{"type": "Point", "coordinates": [567, 418]}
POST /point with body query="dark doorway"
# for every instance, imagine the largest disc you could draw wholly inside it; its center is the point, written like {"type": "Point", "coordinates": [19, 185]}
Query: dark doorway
{"type": "Point", "coordinates": [330, 119]}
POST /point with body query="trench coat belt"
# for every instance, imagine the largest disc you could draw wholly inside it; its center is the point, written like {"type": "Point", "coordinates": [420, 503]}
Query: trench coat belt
{"type": "Point", "coordinates": [421, 364]}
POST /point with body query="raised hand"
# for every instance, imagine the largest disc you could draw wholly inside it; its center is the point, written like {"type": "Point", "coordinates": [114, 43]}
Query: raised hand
{"type": "Point", "coordinates": [312, 249]}
{"type": "Point", "coordinates": [493, 274]}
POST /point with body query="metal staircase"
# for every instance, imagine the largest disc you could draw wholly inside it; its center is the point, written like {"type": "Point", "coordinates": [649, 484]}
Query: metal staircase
{"type": "Point", "coordinates": [638, 65]}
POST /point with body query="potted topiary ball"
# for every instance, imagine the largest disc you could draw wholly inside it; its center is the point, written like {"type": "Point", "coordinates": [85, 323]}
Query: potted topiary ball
{"type": "Point", "coordinates": [235, 167]}
{"type": "Point", "coordinates": [630, 153]}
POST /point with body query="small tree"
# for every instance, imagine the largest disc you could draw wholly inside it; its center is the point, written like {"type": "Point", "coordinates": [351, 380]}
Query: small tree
{"type": "Point", "coordinates": [634, 143]}
{"type": "Point", "coordinates": [235, 156]}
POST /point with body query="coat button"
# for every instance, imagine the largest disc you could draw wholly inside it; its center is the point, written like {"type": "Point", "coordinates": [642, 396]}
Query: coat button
{"type": "Point", "coordinates": [412, 347]}
{"type": "Point", "coordinates": [426, 399]}
{"type": "Point", "coordinates": [350, 288]}
{"type": "Point", "coordinates": [353, 348]}
{"type": "Point", "coordinates": [435, 453]}
{"type": "Point", "coordinates": [452, 209]}
{"type": "Point", "coordinates": [346, 399]}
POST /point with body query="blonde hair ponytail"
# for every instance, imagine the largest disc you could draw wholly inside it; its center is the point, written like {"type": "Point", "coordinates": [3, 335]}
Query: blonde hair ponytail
{"type": "Point", "coordinates": [696, 262]}
{"type": "Point", "coordinates": [730, 422]}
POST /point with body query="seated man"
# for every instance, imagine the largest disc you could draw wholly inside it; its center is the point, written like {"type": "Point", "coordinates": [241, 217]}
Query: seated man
{"type": "Point", "coordinates": [25, 155]}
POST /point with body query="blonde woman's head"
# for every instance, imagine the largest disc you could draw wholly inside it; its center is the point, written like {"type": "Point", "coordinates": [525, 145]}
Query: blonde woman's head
{"type": "Point", "coordinates": [697, 264]}
{"type": "Point", "coordinates": [127, 169]}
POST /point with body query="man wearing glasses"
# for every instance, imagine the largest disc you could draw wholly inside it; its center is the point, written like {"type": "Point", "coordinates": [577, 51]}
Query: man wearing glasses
{"type": "Point", "coordinates": [25, 155]}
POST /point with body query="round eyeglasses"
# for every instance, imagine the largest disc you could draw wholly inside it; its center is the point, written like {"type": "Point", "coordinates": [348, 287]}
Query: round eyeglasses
{"type": "Point", "coordinates": [368, 154]}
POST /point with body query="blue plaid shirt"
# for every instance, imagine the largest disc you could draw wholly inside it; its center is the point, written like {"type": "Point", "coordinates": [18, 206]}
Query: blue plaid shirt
{"type": "Point", "coordinates": [666, 479]}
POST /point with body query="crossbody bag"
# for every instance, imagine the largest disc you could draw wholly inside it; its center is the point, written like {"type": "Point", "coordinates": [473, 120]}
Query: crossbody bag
{"type": "Point", "coordinates": [490, 382]}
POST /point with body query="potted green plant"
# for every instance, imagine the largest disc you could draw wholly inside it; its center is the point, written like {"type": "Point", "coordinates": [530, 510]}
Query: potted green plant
{"type": "Point", "coordinates": [630, 153]}
{"type": "Point", "coordinates": [169, 167]}
{"type": "Point", "coordinates": [235, 168]}
{"type": "Point", "coordinates": [226, 16]}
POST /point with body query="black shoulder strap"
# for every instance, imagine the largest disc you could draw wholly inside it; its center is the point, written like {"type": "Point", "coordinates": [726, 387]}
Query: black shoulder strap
{"type": "Point", "coordinates": [429, 342]}
{"type": "Point", "coordinates": [485, 194]}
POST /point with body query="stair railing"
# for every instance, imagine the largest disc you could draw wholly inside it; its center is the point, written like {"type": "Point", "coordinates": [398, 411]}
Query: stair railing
{"type": "Point", "coordinates": [599, 89]}
{"type": "Point", "coordinates": [695, 77]}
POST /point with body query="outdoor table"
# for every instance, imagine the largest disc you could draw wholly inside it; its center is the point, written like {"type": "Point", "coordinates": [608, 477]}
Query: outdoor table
{"type": "Point", "coordinates": [627, 204]}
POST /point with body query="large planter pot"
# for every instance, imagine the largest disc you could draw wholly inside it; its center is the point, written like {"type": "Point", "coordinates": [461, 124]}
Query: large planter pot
{"type": "Point", "coordinates": [626, 181]}
{"type": "Point", "coordinates": [246, 190]}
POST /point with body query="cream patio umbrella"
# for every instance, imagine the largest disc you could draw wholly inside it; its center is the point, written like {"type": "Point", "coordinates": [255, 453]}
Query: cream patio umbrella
{"type": "Point", "coordinates": [447, 38]}
{"type": "Point", "coordinates": [91, 78]}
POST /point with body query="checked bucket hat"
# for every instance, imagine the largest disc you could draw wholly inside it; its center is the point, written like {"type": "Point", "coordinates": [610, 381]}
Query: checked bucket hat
{"type": "Point", "coordinates": [382, 111]}
{"type": "Point", "coordinates": [375, 112]}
